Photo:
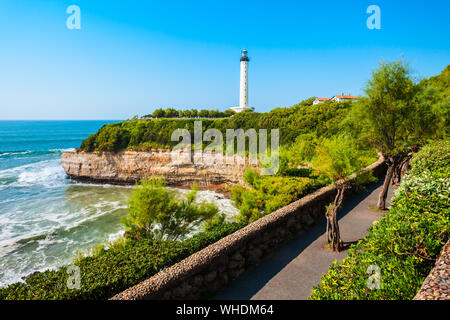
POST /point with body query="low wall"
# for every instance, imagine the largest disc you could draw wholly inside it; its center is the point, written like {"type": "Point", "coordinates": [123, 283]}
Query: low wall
{"type": "Point", "coordinates": [437, 285]}
{"type": "Point", "coordinates": [211, 269]}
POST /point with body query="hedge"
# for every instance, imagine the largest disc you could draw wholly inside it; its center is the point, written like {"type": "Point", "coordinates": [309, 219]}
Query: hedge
{"type": "Point", "coordinates": [403, 244]}
{"type": "Point", "coordinates": [434, 157]}
{"type": "Point", "coordinates": [265, 194]}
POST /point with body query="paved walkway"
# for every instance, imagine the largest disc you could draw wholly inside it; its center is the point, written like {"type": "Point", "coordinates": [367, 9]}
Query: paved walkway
{"type": "Point", "coordinates": [293, 270]}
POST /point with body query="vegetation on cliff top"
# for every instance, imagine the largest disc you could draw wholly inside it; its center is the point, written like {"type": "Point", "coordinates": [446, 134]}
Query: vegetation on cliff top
{"type": "Point", "coordinates": [191, 113]}
{"type": "Point", "coordinates": [305, 118]}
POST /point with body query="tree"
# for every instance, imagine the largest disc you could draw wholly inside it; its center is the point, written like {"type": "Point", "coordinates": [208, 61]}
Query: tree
{"type": "Point", "coordinates": [187, 114]}
{"type": "Point", "coordinates": [388, 117]}
{"type": "Point", "coordinates": [158, 113]}
{"type": "Point", "coordinates": [229, 113]}
{"type": "Point", "coordinates": [155, 209]}
{"type": "Point", "coordinates": [203, 113]}
{"type": "Point", "coordinates": [170, 113]}
{"type": "Point", "coordinates": [336, 158]}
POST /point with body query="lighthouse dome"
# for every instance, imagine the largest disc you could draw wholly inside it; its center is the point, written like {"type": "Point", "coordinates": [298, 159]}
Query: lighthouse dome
{"type": "Point", "coordinates": [244, 56]}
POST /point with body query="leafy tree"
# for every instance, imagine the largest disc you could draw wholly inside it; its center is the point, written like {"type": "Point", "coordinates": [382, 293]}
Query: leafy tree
{"type": "Point", "coordinates": [337, 159]}
{"type": "Point", "coordinates": [158, 113]}
{"type": "Point", "coordinates": [170, 113]}
{"type": "Point", "coordinates": [390, 116]}
{"type": "Point", "coordinates": [440, 82]}
{"type": "Point", "coordinates": [228, 113]}
{"type": "Point", "coordinates": [112, 138]}
{"type": "Point", "coordinates": [187, 114]}
{"type": "Point", "coordinates": [203, 114]}
{"type": "Point", "coordinates": [158, 211]}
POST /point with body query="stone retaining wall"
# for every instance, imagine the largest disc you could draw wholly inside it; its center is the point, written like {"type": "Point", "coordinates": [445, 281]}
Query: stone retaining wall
{"type": "Point", "coordinates": [211, 269]}
{"type": "Point", "coordinates": [437, 285]}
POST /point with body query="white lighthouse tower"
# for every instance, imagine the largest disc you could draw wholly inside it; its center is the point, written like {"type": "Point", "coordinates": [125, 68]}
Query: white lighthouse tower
{"type": "Point", "coordinates": [243, 89]}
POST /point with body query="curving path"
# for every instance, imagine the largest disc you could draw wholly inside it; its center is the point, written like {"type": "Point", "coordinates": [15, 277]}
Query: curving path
{"type": "Point", "coordinates": [293, 271]}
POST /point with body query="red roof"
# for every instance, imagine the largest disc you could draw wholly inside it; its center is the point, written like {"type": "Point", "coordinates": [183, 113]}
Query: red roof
{"type": "Point", "coordinates": [346, 97]}
{"type": "Point", "coordinates": [323, 99]}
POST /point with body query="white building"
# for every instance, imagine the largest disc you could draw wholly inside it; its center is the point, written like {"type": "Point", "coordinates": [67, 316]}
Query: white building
{"type": "Point", "coordinates": [243, 89]}
{"type": "Point", "coordinates": [320, 100]}
{"type": "Point", "coordinates": [343, 97]}
{"type": "Point", "coordinates": [338, 98]}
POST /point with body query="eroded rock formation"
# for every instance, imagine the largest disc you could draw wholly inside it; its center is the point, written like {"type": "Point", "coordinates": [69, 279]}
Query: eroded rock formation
{"type": "Point", "coordinates": [128, 167]}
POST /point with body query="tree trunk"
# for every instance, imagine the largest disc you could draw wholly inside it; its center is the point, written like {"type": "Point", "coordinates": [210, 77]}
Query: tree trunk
{"type": "Point", "coordinates": [400, 170]}
{"type": "Point", "coordinates": [387, 180]}
{"type": "Point", "coordinates": [333, 233]}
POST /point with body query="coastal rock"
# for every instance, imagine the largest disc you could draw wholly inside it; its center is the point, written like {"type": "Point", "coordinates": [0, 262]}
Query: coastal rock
{"type": "Point", "coordinates": [129, 167]}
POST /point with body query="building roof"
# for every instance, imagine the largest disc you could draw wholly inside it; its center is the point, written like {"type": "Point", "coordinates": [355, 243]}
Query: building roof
{"type": "Point", "coordinates": [346, 97]}
{"type": "Point", "coordinates": [322, 99]}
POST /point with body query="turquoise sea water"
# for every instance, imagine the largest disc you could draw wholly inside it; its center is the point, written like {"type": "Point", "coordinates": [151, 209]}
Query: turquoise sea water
{"type": "Point", "coordinates": [44, 216]}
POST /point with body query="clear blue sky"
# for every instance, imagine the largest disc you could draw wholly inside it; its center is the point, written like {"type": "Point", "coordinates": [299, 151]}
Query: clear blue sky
{"type": "Point", "coordinates": [131, 57]}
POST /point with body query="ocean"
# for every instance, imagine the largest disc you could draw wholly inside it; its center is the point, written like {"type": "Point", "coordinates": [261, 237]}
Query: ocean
{"type": "Point", "coordinates": [45, 217]}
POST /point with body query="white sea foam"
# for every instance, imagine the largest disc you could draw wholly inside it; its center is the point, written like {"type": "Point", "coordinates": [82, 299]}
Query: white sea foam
{"type": "Point", "coordinates": [224, 204]}
{"type": "Point", "coordinates": [7, 246]}
{"type": "Point", "coordinates": [50, 176]}
{"type": "Point", "coordinates": [4, 154]}
{"type": "Point", "coordinates": [114, 236]}
{"type": "Point", "coordinates": [46, 173]}
{"type": "Point", "coordinates": [51, 217]}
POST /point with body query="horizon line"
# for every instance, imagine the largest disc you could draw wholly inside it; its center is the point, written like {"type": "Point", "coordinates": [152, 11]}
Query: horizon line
{"type": "Point", "coordinates": [61, 120]}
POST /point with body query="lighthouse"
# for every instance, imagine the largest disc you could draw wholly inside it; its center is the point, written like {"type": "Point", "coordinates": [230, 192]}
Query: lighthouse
{"type": "Point", "coordinates": [243, 88]}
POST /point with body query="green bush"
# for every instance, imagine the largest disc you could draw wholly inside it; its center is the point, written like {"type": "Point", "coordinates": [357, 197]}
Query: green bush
{"type": "Point", "coordinates": [434, 157]}
{"type": "Point", "coordinates": [404, 243]}
{"type": "Point", "coordinates": [269, 193]}
{"type": "Point", "coordinates": [192, 113]}
{"type": "Point", "coordinates": [163, 214]}
{"type": "Point", "coordinates": [116, 269]}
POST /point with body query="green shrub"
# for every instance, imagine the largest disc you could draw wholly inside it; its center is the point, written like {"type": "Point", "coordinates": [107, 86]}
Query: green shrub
{"type": "Point", "coordinates": [192, 113]}
{"type": "Point", "coordinates": [403, 244]}
{"type": "Point", "coordinates": [163, 214]}
{"type": "Point", "coordinates": [269, 193]}
{"type": "Point", "coordinates": [116, 269]}
{"type": "Point", "coordinates": [434, 158]}
{"type": "Point", "coordinates": [298, 172]}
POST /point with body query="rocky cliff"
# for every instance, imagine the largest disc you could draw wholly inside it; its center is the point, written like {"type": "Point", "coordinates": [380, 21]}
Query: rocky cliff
{"type": "Point", "coordinates": [128, 167]}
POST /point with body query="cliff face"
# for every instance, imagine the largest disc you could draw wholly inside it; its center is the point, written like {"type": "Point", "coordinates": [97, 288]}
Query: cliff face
{"type": "Point", "coordinates": [128, 167]}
